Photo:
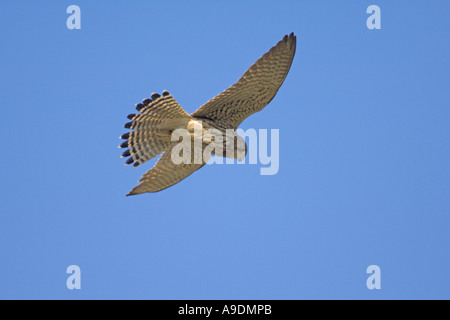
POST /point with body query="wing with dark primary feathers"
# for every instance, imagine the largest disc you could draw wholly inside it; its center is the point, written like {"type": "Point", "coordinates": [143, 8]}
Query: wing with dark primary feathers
{"type": "Point", "coordinates": [254, 90]}
{"type": "Point", "coordinates": [166, 173]}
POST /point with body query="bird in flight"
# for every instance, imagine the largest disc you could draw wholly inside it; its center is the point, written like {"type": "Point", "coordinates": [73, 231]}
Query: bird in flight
{"type": "Point", "coordinates": [160, 117]}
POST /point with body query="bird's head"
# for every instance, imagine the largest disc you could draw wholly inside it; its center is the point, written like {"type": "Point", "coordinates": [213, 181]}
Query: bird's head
{"type": "Point", "coordinates": [234, 146]}
{"type": "Point", "coordinates": [240, 148]}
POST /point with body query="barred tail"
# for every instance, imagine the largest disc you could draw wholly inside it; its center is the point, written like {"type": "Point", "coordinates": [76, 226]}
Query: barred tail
{"type": "Point", "coordinates": [152, 127]}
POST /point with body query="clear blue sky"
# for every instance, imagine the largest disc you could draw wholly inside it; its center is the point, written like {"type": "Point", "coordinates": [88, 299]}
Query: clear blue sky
{"type": "Point", "coordinates": [364, 152]}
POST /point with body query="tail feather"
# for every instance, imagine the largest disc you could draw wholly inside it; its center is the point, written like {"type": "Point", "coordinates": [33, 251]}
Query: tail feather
{"type": "Point", "coordinates": [152, 128]}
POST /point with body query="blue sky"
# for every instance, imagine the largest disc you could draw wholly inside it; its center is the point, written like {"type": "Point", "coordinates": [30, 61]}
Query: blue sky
{"type": "Point", "coordinates": [364, 152]}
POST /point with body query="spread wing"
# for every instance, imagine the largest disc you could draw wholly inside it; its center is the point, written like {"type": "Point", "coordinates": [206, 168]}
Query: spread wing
{"type": "Point", "coordinates": [254, 90]}
{"type": "Point", "coordinates": [166, 173]}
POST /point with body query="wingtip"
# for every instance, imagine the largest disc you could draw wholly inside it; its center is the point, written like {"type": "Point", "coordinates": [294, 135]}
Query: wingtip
{"type": "Point", "coordinates": [292, 37]}
{"type": "Point", "coordinates": [291, 40]}
{"type": "Point", "coordinates": [132, 193]}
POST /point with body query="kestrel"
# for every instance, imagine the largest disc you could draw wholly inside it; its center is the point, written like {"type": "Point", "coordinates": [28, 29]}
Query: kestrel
{"type": "Point", "coordinates": [160, 116]}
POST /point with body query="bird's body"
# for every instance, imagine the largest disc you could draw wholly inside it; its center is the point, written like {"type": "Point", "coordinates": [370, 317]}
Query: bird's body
{"type": "Point", "coordinates": [161, 117]}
